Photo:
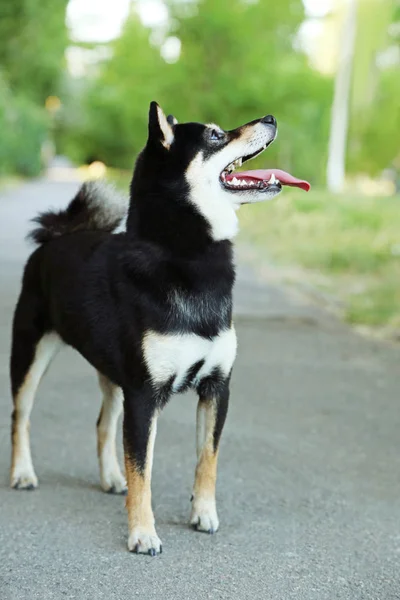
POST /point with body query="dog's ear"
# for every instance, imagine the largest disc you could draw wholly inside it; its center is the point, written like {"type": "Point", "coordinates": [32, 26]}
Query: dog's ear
{"type": "Point", "coordinates": [160, 129]}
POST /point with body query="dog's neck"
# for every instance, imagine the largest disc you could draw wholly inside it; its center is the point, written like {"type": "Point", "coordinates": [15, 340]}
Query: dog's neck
{"type": "Point", "coordinates": [163, 211]}
{"type": "Point", "coordinates": [174, 226]}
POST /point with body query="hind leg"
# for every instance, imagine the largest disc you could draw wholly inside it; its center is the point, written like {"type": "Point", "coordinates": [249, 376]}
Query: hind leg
{"type": "Point", "coordinates": [31, 355]}
{"type": "Point", "coordinates": [112, 480]}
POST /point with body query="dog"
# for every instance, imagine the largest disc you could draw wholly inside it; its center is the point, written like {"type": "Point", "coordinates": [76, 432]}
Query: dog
{"type": "Point", "coordinates": [149, 308]}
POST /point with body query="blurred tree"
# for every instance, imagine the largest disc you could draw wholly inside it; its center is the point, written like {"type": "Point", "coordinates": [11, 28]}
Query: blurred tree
{"type": "Point", "coordinates": [23, 130]}
{"type": "Point", "coordinates": [367, 90]}
{"type": "Point", "coordinates": [111, 121]}
{"type": "Point", "coordinates": [375, 107]}
{"type": "Point", "coordinates": [33, 37]}
{"type": "Point", "coordinates": [234, 65]}
{"type": "Point", "coordinates": [240, 62]}
{"type": "Point", "coordinates": [237, 59]}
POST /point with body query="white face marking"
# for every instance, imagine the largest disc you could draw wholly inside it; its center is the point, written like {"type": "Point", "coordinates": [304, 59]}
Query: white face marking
{"type": "Point", "coordinates": [210, 199]}
{"type": "Point", "coordinates": [173, 354]}
{"type": "Point", "coordinates": [214, 202]}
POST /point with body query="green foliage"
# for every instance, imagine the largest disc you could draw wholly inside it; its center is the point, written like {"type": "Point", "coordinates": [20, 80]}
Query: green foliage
{"type": "Point", "coordinates": [235, 65]}
{"type": "Point", "coordinates": [240, 63]}
{"type": "Point", "coordinates": [377, 145]}
{"type": "Point", "coordinates": [23, 129]}
{"type": "Point", "coordinates": [111, 122]}
{"type": "Point", "coordinates": [32, 42]}
{"type": "Point", "coordinates": [373, 142]}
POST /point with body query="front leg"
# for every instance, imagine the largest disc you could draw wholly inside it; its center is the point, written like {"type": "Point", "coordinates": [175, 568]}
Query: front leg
{"type": "Point", "coordinates": [140, 426]}
{"type": "Point", "coordinates": [211, 415]}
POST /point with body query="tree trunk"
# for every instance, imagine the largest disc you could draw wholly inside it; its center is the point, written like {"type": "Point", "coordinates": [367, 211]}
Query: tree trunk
{"type": "Point", "coordinates": [336, 166]}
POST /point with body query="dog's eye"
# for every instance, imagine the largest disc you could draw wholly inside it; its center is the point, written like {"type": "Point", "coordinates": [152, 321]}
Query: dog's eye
{"type": "Point", "coordinates": [216, 135]}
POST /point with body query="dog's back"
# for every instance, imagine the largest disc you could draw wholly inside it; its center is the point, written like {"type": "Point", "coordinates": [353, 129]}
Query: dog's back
{"type": "Point", "coordinates": [67, 283]}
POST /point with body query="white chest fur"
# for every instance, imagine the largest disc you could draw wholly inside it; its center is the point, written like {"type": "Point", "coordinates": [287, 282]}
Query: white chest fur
{"type": "Point", "coordinates": [172, 355]}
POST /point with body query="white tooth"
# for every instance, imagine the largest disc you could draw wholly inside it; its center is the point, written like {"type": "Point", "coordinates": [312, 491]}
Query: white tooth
{"type": "Point", "coordinates": [239, 162]}
{"type": "Point", "coordinates": [277, 181]}
{"type": "Point", "coordinates": [235, 181]}
{"type": "Point", "coordinates": [272, 179]}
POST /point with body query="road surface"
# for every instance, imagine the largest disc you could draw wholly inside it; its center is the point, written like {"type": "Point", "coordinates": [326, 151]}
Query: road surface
{"type": "Point", "coordinates": [309, 478]}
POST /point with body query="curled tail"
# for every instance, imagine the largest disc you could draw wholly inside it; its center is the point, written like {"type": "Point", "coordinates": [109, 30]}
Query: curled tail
{"type": "Point", "coordinates": [97, 205]}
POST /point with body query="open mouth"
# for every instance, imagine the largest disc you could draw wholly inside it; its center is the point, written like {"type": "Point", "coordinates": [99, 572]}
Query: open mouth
{"type": "Point", "coordinates": [260, 180]}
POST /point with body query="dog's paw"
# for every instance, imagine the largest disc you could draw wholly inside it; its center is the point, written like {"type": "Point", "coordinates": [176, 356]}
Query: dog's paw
{"type": "Point", "coordinates": [24, 480]}
{"type": "Point", "coordinates": [114, 483]}
{"type": "Point", "coordinates": [204, 515]}
{"type": "Point", "coordinates": [144, 542]}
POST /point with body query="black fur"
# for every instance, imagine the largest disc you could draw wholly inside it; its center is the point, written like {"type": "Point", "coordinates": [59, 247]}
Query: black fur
{"type": "Point", "coordinates": [103, 292]}
{"type": "Point", "coordinates": [83, 213]}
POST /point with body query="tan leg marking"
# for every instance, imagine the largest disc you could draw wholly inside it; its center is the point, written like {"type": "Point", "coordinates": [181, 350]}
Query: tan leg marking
{"type": "Point", "coordinates": [204, 510]}
{"type": "Point", "coordinates": [142, 534]}
{"type": "Point", "coordinates": [112, 480]}
{"type": "Point", "coordinates": [23, 475]}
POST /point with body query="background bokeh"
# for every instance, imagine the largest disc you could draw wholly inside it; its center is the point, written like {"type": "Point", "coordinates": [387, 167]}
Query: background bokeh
{"type": "Point", "coordinates": [76, 79]}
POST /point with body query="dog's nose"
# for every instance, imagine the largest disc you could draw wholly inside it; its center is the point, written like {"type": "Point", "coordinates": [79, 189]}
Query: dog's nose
{"type": "Point", "coordinates": [269, 120]}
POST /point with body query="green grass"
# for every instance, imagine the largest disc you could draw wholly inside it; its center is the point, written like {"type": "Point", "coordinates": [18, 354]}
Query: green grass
{"type": "Point", "coordinates": [350, 243]}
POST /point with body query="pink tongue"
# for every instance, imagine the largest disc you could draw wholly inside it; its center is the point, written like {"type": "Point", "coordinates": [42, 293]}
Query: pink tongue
{"type": "Point", "coordinates": [265, 175]}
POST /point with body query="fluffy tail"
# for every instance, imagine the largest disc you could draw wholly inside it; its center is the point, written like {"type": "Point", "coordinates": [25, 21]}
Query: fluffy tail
{"type": "Point", "coordinates": [97, 205]}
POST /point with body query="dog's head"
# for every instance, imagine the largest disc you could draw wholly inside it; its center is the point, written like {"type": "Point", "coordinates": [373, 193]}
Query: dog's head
{"type": "Point", "coordinates": [204, 158]}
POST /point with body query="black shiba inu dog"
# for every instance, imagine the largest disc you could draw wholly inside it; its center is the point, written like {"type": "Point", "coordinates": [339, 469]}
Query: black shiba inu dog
{"type": "Point", "coordinates": [149, 308]}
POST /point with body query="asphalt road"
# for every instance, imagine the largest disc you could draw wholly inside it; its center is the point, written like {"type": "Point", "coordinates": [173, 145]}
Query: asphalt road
{"type": "Point", "coordinates": [309, 478]}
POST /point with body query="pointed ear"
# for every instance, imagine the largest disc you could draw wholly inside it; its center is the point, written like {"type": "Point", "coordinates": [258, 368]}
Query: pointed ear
{"type": "Point", "coordinates": [160, 129]}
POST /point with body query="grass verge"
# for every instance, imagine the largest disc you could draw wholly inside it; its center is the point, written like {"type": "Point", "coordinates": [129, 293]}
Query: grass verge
{"type": "Point", "coordinates": [347, 246]}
